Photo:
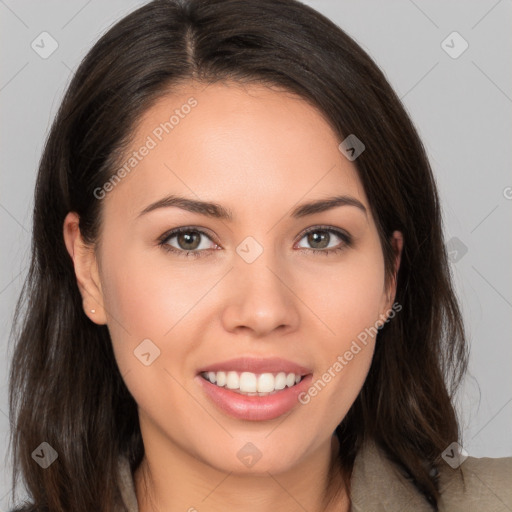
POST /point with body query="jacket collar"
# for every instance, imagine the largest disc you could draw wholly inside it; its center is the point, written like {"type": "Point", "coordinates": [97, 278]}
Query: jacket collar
{"type": "Point", "coordinates": [378, 485]}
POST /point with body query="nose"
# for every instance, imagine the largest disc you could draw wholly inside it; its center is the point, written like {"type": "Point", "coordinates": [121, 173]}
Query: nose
{"type": "Point", "coordinates": [260, 298]}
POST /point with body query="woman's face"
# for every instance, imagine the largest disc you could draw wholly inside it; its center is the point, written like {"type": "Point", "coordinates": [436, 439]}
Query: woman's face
{"type": "Point", "coordinates": [252, 285]}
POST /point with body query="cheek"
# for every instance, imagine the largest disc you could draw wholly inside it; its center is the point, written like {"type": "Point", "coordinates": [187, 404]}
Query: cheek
{"type": "Point", "coordinates": [349, 302]}
{"type": "Point", "coordinates": [152, 335]}
{"type": "Point", "coordinates": [347, 296]}
{"type": "Point", "coordinates": [147, 294]}
{"type": "Point", "coordinates": [146, 302]}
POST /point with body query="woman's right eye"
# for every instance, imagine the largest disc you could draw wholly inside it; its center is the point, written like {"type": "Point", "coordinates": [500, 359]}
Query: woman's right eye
{"type": "Point", "coordinates": [187, 243]}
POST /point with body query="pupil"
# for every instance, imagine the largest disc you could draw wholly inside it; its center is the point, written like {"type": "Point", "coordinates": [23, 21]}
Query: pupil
{"type": "Point", "coordinates": [314, 238]}
{"type": "Point", "coordinates": [184, 239]}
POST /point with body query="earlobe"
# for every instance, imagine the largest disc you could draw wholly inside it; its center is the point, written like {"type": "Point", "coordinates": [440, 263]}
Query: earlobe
{"type": "Point", "coordinates": [86, 269]}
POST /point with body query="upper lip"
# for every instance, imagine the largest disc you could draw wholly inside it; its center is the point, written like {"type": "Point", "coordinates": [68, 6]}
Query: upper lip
{"type": "Point", "coordinates": [257, 365]}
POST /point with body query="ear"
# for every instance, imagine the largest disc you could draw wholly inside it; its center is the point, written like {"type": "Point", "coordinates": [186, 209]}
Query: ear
{"type": "Point", "coordinates": [86, 269]}
{"type": "Point", "coordinates": [397, 242]}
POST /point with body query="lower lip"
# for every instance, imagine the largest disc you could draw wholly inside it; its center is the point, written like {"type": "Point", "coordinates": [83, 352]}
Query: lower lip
{"type": "Point", "coordinates": [255, 408]}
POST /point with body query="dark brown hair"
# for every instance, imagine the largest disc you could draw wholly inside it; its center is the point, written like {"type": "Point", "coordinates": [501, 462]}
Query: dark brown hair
{"type": "Point", "coordinates": [65, 387]}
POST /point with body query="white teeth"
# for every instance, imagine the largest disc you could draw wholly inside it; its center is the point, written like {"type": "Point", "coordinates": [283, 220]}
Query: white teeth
{"type": "Point", "coordinates": [248, 383]}
{"type": "Point", "coordinates": [220, 379]}
{"type": "Point", "coordinates": [280, 380]}
{"type": "Point", "coordinates": [266, 383]}
{"type": "Point", "coordinates": [232, 380]}
{"type": "Point", "coordinates": [252, 383]}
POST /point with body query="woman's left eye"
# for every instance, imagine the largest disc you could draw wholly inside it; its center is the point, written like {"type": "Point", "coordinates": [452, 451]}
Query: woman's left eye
{"type": "Point", "coordinates": [188, 241]}
{"type": "Point", "coordinates": [320, 238]}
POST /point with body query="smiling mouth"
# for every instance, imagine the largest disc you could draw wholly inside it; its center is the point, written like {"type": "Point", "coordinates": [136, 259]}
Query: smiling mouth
{"type": "Point", "coordinates": [253, 384]}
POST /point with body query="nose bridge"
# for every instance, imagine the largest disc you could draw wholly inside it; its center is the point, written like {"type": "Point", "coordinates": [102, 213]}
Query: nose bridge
{"type": "Point", "coordinates": [262, 299]}
{"type": "Point", "coordinates": [258, 261]}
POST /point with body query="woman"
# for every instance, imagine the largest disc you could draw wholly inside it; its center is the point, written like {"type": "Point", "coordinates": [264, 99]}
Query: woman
{"type": "Point", "coordinates": [239, 295]}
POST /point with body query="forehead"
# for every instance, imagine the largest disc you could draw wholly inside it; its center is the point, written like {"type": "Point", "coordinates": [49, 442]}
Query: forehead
{"type": "Point", "coordinates": [246, 146]}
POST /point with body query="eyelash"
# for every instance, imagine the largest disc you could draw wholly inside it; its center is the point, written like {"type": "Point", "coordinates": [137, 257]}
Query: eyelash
{"type": "Point", "coordinates": [164, 239]}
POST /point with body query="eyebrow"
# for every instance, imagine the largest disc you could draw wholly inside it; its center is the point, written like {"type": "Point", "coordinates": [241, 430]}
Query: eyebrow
{"type": "Point", "coordinates": [215, 210]}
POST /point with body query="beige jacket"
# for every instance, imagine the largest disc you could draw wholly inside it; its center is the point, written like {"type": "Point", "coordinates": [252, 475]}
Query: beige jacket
{"type": "Point", "coordinates": [378, 486]}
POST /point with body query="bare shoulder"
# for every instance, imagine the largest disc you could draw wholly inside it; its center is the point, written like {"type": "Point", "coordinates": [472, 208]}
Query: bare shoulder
{"type": "Point", "coordinates": [484, 482]}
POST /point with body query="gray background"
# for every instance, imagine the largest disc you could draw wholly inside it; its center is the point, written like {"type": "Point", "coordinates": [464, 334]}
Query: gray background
{"type": "Point", "coordinates": [461, 107]}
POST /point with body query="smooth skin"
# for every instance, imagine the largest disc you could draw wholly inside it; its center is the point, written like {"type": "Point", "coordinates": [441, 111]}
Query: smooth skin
{"type": "Point", "coordinates": [259, 152]}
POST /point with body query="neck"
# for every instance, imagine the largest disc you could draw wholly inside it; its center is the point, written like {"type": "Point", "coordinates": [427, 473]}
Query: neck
{"type": "Point", "coordinates": [181, 482]}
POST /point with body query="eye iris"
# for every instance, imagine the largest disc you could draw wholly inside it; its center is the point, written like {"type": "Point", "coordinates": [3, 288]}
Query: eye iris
{"type": "Point", "coordinates": [314, 238]}
{"type": "Point", "coordinates": [184, 239]}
